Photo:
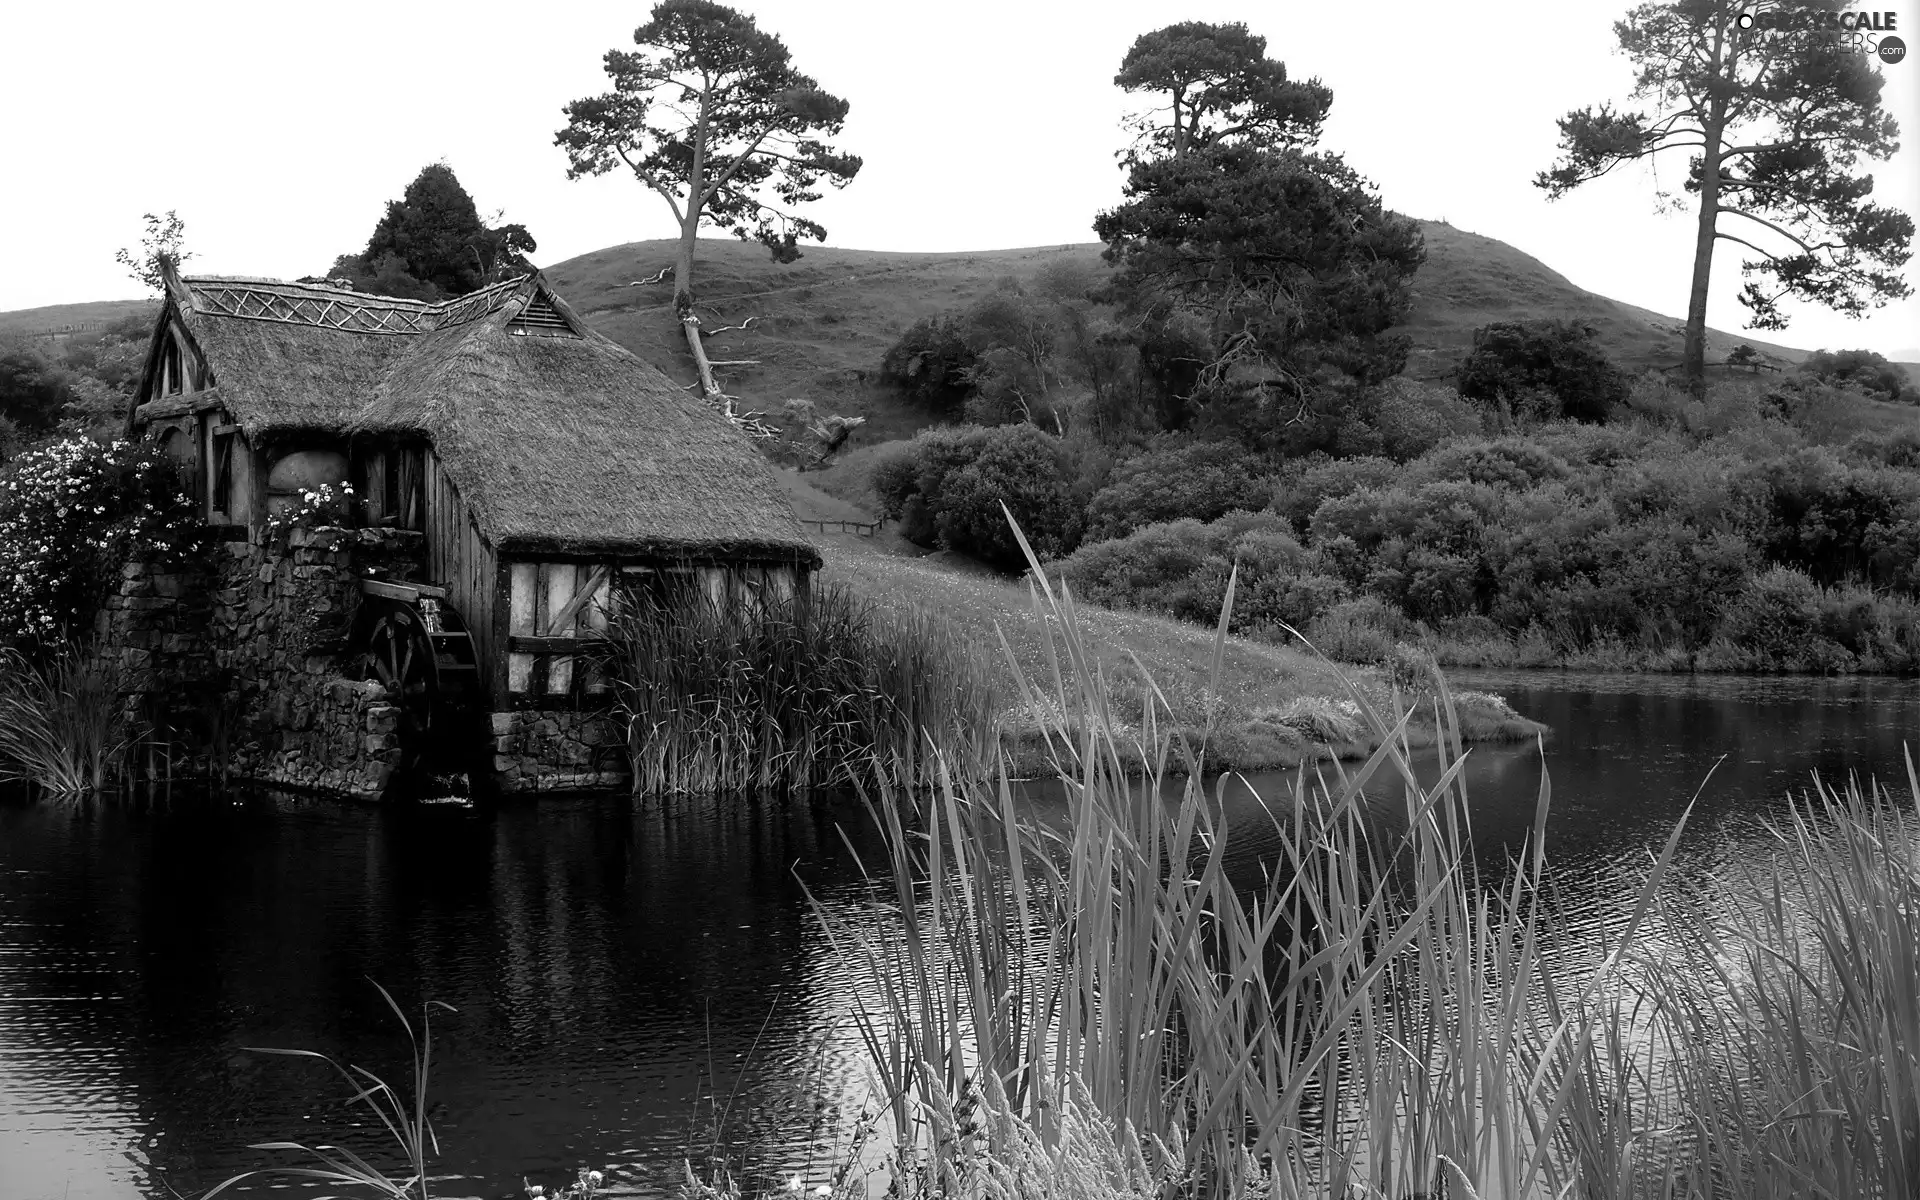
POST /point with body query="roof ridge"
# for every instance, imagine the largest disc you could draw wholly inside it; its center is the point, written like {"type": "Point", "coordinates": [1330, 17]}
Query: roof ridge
{"type": "Point", "coordinates": [324, 306]}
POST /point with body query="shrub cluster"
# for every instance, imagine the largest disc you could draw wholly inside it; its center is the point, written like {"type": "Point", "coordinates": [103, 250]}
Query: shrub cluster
{"type": "Point", "coordinates": [71, 514]}
{"type": "Point", "coordinates": [1545, 369]}
{"type": "Point", "coordinates": [1864, 369]}
{"type": "Point", "coordinates": [932, 363]}
{"type": "Point", "coordinates": [1180, 569]}
{"type": "Point", "coordinates": [1747, 551]}
{"type": "Point", "coordinates": [948, 486]}
{"type": "Point", "coordinates": [1178, 478]}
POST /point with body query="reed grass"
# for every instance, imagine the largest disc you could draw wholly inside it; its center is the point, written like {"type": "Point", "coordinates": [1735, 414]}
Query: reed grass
{"type": "Point", "coordinates": [814, 691]}
{"type": "Point", "coordinates": [1093, 1007]}
{"type": "Point", "coordinates": [403, 1118]}
{"type": "Point", "coordinates": [60, 725]}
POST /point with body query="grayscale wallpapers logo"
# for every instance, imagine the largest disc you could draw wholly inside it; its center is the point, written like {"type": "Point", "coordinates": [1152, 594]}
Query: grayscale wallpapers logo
{"type": "Point", "coordinates": [1868, 32]}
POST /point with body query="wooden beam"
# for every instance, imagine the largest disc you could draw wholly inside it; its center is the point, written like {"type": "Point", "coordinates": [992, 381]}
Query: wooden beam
{"type": "Point", "coordinates": [520, 644]}
{"type": "Point", "coordinates": [181, 405]}
{"type": "Point", "coordinates": [409, 592]}
{"type": "Point", "coordinates": [582, 596]}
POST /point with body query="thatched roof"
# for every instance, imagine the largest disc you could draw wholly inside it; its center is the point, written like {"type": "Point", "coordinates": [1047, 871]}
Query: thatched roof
{"type": "Point", "coordinates": [557, 437]}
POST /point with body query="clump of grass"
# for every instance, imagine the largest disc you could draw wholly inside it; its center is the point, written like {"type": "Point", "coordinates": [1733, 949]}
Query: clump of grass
{"type": "Point", "coordinates": [60, 725]}
{"type": "Point", "coordinates": [1091, 1006]}
{"type": "Point", "coordinates": [1319, 719]}
{"type": "Point", "coordinates": [813, 691]}
{"type": "Point", "coordinates": [403, 1118]}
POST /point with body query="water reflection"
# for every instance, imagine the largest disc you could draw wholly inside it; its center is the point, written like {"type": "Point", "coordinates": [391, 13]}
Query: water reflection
{"type": "Point", "coordinates": [621, 969]}
{"type": "Point", "coordinates": [613, 964]}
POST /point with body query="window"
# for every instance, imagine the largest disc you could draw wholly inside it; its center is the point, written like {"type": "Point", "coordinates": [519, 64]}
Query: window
{"type": "Point", "coordinates": [170, 373]}
{"type": "Point", "coordinates": [224, 500]}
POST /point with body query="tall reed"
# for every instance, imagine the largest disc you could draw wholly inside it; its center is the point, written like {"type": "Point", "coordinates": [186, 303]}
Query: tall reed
{"type": "Point", "coordinates": [60, 723]}
{"type": "Point", "coordinates": [1096, 1008]}
{"type": "Point", "coordinates": [812, 691]}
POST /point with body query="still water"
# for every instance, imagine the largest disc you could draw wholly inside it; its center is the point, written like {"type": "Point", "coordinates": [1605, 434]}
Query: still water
{"type": "Point", "coordinates": [635, 981]}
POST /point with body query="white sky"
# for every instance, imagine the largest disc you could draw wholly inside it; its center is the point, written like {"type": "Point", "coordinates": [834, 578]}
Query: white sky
{"type": "Point", "coordinates": [279, 131]}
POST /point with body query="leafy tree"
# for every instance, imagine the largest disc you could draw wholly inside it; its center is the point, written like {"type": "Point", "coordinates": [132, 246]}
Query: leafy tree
{"type": "Point", "coordinates": [1863, 369]}
{"type": "Point", "coordinates": [1020, 467]}
{"type": "Point", "coordinates": [712, 116]}
{"type": "Point", "coordinates": [1512, 359]}
{"type": "Point", "coordinates": [163, 239]}
{"type": "Point", "coordinates": [1275, 270]}
{"type": "Point", "coordinates": [1776, 119]}
{"type": "Point", "coordinates": [931, 363]}
{"type": "Point", "coordinates": [947, 488]}
{"type": "Point", "coordinates": [1220, 88]}
{"type": "Point", "coordinates": [32, 390]}
{"type": "Point", "coordinates": [432, 244]}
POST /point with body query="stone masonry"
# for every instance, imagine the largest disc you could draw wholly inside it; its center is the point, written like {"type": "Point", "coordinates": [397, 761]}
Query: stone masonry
{"type": "Point", "coordinates": [552, 750]}
{"type": "Point", "coordinates": [240, 667]}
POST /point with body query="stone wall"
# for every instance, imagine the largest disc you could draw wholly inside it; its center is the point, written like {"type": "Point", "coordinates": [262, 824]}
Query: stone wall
{"type": "Point", "coordinates": [152, 634]}
{"type": "Point", "coordinates": [537, 750]}
{"type": "Point", "coordinates": [281, 616]}
{"type": "Point", "coordinates": [241, 667]}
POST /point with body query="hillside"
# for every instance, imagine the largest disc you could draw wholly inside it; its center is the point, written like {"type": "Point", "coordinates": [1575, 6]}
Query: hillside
{"type": "Point", "coordinates": [63, 318]}
{"type": "Point", "coordinates": [821, 325]}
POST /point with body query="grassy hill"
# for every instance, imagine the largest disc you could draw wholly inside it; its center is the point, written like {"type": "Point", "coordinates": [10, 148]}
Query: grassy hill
{"type": "Point", "coordinates": [820, 326]}
{"type": "Point", "coordinates": [59, 318]}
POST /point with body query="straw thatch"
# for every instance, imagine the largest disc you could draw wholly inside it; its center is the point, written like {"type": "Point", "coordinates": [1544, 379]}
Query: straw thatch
{"type": "Point", "coordinates": [557, 438]}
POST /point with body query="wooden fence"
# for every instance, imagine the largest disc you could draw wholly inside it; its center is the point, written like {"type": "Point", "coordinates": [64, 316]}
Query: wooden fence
{"type": "Point", "coordinates": [863, 528]}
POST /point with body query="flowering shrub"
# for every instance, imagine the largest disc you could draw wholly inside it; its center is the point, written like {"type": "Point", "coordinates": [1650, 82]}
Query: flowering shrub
{"type": "Point", "coordinates": [70, 515]}
{"type": "Point", "coordinates": [324, 505]}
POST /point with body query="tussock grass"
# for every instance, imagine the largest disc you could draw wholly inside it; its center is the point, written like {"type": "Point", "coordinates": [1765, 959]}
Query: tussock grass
{"type": "Point", "coordinates": [60, 723]}
{"type": "Point", "coordinates": [1093, 1008]}
{"type": "Point", "coordinates": [812, 691]}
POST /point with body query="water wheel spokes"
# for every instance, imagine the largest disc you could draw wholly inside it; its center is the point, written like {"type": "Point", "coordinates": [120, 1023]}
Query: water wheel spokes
{"type": "Point", "coordinates": [399, 656]}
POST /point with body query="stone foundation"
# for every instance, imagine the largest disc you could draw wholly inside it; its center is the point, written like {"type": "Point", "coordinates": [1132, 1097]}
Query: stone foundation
{"type": "Point", "coordinates": [280, 621]}
{"type": "Point", "coordinates": [538, 750]}
{"type": "Point", "coordinates": [239, 666]}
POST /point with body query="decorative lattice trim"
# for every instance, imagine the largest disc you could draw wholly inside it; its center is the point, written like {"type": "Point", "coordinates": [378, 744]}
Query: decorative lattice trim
{"type": "Point", "coordinates": [330, 308]}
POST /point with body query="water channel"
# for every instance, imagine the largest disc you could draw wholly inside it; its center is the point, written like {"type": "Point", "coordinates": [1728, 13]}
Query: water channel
{"type": "Point", "coordinates": [635, 981]}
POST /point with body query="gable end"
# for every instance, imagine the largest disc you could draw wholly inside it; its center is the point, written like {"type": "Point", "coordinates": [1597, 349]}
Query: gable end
{"type": "Point", "coordinates": [540, 318]}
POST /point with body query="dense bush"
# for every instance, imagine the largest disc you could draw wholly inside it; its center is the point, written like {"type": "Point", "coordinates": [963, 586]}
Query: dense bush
{"type": "Point", "coordinates": [1411, 418]}
{"type": "Point", "coordinates": [1750, 550]}
{"type": "Point", "coordinates": [1518, 363]}
{"type": "Point", "coordinates": [932, 363]}
{"type": "Point", "coordinates": [70, 514]}
{"type": "Point", "coordinates": [1863, 369]}
{"type": "Point", "coordinates": [1197, 479]}
{"type": "Point", "coordinates": [947, 489]}
{"type": "Point", "coordinates": [1305, 484]}
{"type": "Point", "coordinates": [1180, 569]}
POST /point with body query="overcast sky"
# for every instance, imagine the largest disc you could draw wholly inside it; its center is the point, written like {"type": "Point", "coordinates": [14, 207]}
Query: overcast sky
{"type": "Point", "coordinates": [278, 132]}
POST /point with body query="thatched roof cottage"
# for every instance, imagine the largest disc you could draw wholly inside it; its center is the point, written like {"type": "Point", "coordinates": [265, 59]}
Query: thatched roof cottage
{"type": "Point", "coordinates": [540, 460]}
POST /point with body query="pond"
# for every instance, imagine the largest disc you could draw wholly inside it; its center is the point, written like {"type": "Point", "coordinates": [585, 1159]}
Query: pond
{"type": "Point", "coordinates": [635, 980]}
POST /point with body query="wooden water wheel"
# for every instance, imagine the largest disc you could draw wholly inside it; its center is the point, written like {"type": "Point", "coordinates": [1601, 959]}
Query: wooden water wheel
{"type": "Point", "coordinates": [420, 652]}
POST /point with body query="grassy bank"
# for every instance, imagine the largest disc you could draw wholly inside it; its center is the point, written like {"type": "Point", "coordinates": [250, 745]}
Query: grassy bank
{"type": "Point", "coordinates": [1263, 707]}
